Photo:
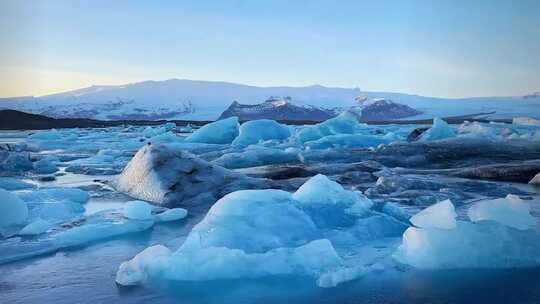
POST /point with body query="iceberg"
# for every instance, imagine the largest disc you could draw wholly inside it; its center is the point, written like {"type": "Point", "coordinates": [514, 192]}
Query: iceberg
{"type": "Point", "coordinates": [13, 210]}
{"type": "Point", "coordinates": [439, 130]}
{"type": "Point", "coordinates": [260, 233]}
{"type": "Point", "coordinates": [254, 131]}
{"type": "Point", "coordinates": [510, 211]}
{"type": "Point", "coordinates": [219, 132]}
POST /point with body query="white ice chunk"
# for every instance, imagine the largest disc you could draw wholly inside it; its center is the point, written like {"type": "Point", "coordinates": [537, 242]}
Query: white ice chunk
{"type": "Point", "coordinates": [319, 191]}
{"type": "Point", "coordinates": [528, 121]}
{"type": "Point", "coordinates": [441, 215]}
{"type": "Point", "coordinates": [535, 180]}
{"type": "Point", "coordinates": [254, 131]}
{"type": "Point", "coordinates": [36, 227]}
{"type": "Point", "coordinates": [138, 210]}
{"type": "Point", "coordinates": [510, 211]}
{"type": "Point", "coordinates": [173, 214]}
{"type": "Point", "coordinates": [470, 245]}
{"type": "Point", "coordinates": [13, 211]}
{"type": "Point", "coordinates": [135, 271]}
{"type": "Point", "coordinates": [219, 132]}
{"type": "Point", "coordinates": [439, 130]}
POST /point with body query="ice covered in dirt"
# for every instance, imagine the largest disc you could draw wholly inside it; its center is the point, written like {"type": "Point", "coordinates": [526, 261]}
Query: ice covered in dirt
{"type": "Point", "coordinates": [491, 240]}
{"type": "Point", "coordinates": [254, 131]}
{"type": "Point", "coordinates": [167, 175]}
{"type": "Point", "coordinates": [261, 233]}
{"type": "Point", "coordinates": [218, 132]}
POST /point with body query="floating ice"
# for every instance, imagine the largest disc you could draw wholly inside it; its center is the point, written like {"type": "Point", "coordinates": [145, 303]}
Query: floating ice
{"type": "Point", "coordinates": [254, 131]}
{"type": "Point", "coordinates": [36, 227]}
{"type": "Point", "coordinates": [135, 270]}
{"type": "Point", "coordinates": [345, 123]}
{"type": "Point", "coordinates": [9, 183]}
{"type": "Point", "coordinates": [510, 211]}
{"type": "Point", "coordinates": [256, 155]}
{"type": "Point", "coordinates": [45, 166]}
{"type": "Point", "coordinates": [347, 141]}
{"type": "Point", "coordinates": [173, 214]}
{"type": "Point", "coordinates": [55, 195]}
{"type": "Point", "coordinates": [329, 204]}
{"type": "Point", "coordinates": [484, 244]}
{"type": "Point", "coordinates": [528, 121]}
{"type": "Point", "coordinates": [439, 130]}
{"type": "Point", "coordinates": [13, 210]}
{"type": "Point", "coordinates": [52, 134]}
{"type": "Point", "coordinates": [138, 210]}
{"type": "Point", "coordinates": [441, 215]}
{"type": "Point", "coordinates": [150, 132]}
{"type": "Point", "coordinates": [260, 233]}
{"type": "Point", "coordinates": [15, 161]}
{"type": "Point", "coordinates": [219, 132]}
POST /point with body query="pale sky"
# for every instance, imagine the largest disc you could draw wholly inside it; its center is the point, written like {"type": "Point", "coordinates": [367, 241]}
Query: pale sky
{"type": "Point", "coordinates": [434, 48]}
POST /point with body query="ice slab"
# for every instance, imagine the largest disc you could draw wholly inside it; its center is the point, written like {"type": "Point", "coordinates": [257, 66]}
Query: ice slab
{"type": "Point", "coordinates": [439, 130]}
{"type": "Point", "coordinates": [254, 131]}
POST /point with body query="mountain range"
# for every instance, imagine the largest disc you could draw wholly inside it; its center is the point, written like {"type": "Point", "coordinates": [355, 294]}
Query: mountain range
{"type": "Point", "coordinates": [206, 100]}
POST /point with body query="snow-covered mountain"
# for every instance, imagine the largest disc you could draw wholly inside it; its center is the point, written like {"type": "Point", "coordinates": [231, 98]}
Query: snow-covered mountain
{"type": "Point", "coordinates": [278, 108]}
{"type": "Point", "coordinates": [385, 109]}
{"type": "Point", "coordinates": [206, 100]}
